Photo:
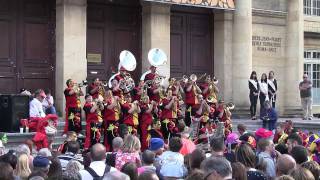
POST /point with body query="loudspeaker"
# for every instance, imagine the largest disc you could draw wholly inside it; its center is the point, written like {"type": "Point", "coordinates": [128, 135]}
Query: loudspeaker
{"type": "Point", "coordinates": [12, 109]}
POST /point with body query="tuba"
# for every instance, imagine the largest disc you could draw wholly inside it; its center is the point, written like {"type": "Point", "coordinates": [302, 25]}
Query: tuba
{"type": "Point", "coordinates": [156, 57]}
{"type": "Point", "coordinates": [129, 63]}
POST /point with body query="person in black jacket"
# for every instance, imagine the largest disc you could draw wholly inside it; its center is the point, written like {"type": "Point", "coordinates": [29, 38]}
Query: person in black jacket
{"type": "Point", "coordinates": [254, 92]}
{"type": "Point", "coordinates": [272, 87]}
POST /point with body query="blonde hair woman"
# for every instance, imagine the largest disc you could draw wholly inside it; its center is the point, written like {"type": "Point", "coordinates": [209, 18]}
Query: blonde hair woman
{"type": "Point", "coordinates": [129, 152]}
{"type": "Point", "coordinates": [23, 169]}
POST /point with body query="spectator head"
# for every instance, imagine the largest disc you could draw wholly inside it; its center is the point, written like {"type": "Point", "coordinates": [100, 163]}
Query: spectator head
{"type": "Point", "coordinates": [293, 140]}
{"type": "Point", "coordinates": [280, 128]}
{"type": "Point", "coordinates": [23, 169]}
{"type": "Point", "coordinates": [10, 158]}
{"type": "Point", "coordinates": [116, 175]}
{"type": "Point", "coordinates": [37, 175]}
{"type": "Point", "coordinates": [39, 94]}
{"type": "Point", "coordinates": [232, 141]}
{"type": "Point", "coordinates": [131, 170]}
{"type": "Point", "coordinates": [217, 146]}
{"type": "Point", "coordinates": [241, 129]}
{"type": "Point", "coordinates": [45, 152]}
{"type": "Point", "coordinates": [300, 173]}
{"type": "Point", "coordinates": [47, 92]}
{"type": "Point", "coordinates": [175, 144]}
{"type": "Point", "coordinates": [117, 143]}
{"type": "Point", "coordinates": [98, 152]}
{"type": "Point", "coordinates": [196, 158]}
{"type": "Point", "coordinates": [246, 156]}
{"type": "Point", "coordinates": [157, 145]}
{"type": "Point", "coordinates": [55, 170]}
{"type": "Point", "coordinates": [72, 171]}
{"type": "Point", "coordinates": [148, 175]}
{"type": "Point", "coordinates": [123, 130]}
{"type": "Point", "coordinates": [196, 174]}
{"type": "Point", "coordinates": [238, 171]}
{"type": "Point", "coordinates": [72, 136]}
{"type": "Point", "coordinates": [216, 168]}
{"type": "Point", "coordinates": [23, 149]}
{"type": "Point", "coordinates": [313, 167]}
{"type": "Point", "coordinates": [282, 148]}
{"type": "Point", "coordinates": [266, 145]}
{"type": "Point", "coordinates": [73, 147]}
{"type": "Point", "coordinates": [300, 154]}
{"type": "Point", "coordinates": [131, 144]}
{"type": "Point", "coordinates": [41, 163]}
{"type": "Point", "coordinates": [148, 157]}
{"type": "Point", "coordinates": [284, 164]}
{"type": "Point", "coordinates": [6, 172]}
{"type": "Point", "coordinates": [284, 177]}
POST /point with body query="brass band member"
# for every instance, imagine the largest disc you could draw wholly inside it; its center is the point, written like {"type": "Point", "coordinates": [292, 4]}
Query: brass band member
{"type": "Point", "coordinates": [154, 92]}
{"type": "Point", "coordinates": [112, 110]}
{"type": "Point", "coordinates": [94, 88]}
{"type": "Point", "coordinates": [169, 115]}
{"type": "Point", "coordinates": [152, 75]}
{"type": "Point", "coordinates": [130, 112]}
{"type": "Point", "coordinates": [200, 112]}
{"type": "Point", "coordinates": [93, 125]}
{"type": "Point", "coordinates": [148, 109]}
{"type": "Point", "coordinates": [137, 91]}
{"type": "Point", "coordinates": [116, 91]}
{"type": "Point", "coordinates": [73, 107]}
{"type": "Point", "coordinates": [175, 87]}
{"type": "Point", "coordinates": [224, 115]}
{"type": "Point", "coordinates": [272, 87]}
{"type": "Point", "coordinates": [210, 90]}
{"type": "Point", "coordinates": [191, 90]}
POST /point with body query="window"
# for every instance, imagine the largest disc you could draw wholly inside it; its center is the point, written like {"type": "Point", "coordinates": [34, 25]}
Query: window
{"type": "Point", "coordinates": [311, 7]}
{"type": "Point", "coordinates": [312, 68]}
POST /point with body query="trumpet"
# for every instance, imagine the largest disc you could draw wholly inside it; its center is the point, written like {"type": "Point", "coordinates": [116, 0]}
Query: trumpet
{"type": "Point", "coordinates": [82, 84]}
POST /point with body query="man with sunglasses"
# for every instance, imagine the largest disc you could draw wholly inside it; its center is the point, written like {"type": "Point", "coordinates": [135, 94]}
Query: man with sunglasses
{"type": "Point", "coordinates": [305, 87]}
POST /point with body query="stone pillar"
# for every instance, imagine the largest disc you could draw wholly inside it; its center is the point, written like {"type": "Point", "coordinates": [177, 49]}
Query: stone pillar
{"type": "Point", "coordinates": [294, 52]}
{"type": "Point", "coordinates": [223, 52]}
{"type": "Point", "coordinates": [71, 62]}
{"type": "Point", "coordinates": [242, 52]}
{"type": "Point", "coordinates": [155, 33]}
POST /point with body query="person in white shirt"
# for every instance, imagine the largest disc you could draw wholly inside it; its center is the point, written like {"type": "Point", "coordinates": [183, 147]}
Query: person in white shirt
{"type": "Point", "coordinates": [98, 167]}
{"type": "Point", "coordinates": [47, 103]}
{"type": "Point", "coordinates": [172, 162]}
{"type": "Point", "coordinates": [36, 109]}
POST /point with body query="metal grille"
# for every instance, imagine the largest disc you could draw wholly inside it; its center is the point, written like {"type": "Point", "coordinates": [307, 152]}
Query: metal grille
{"type": "Point", "coordinates": [311, 7]}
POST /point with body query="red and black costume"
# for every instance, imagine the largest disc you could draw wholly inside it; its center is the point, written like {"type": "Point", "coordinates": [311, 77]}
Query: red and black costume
{"type": "Point", "coordinates": [223, 115]}
{"type": "Point", "coordinates": [145, 123]}
{"type": "Point", "coordinates": [153, 94]}
{"type": "Point", "coordinates": [111, 121]}
{"type": "Point", "coordinates": [91, 87]}
{"type": "Point", "coordinates": [130, 119]}
{"type": "Point", "coordinates": [169, 118]}
{"type": "Point", "coordinates": [73, 112]}
{"type": "Point", "coordinates": [205, 90]}
{"type": "Point", "coordinates": [93, 126]}
{"type": "Point", "coordinates": [150, 76]}
{"type": "Point", "coordinates": [190, 100]}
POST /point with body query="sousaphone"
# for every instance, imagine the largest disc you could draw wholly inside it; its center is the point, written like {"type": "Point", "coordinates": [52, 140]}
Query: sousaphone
{"type": "Point", "coordinates": [156, 58]}
{"type": "Point", "coordinates": [129, 63]}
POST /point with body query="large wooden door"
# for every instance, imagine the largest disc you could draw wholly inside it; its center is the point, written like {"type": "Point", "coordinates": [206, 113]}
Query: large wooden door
{"type": "Point", "coordinates": [112, 28]}
{"type": "Point", "coordinates": [191, 40]}
{"type": "Point", "coordinates": [26, 45]}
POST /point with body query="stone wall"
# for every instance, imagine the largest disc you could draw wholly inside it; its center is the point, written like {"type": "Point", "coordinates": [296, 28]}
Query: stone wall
{"type": "Point", "coordinates": [274, 5]}
{"type": "Point", "coordinates": [268, 48]}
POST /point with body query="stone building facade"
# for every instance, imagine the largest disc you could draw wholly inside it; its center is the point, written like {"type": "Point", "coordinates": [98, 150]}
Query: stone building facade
{"type": "Point", "coordinates": [222, 37]}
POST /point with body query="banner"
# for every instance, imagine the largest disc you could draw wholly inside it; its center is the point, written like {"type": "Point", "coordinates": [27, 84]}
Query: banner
{"type": "Point", "coordinates": [218, 4]}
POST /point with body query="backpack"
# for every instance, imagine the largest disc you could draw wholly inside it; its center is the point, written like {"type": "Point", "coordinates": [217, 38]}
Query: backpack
{"type": "Point", "coordinates": [95, 176]}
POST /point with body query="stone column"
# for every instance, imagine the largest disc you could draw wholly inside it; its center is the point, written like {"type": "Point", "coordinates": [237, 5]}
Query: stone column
{"type": "Point", "coordinates": [71, 62]}
{"type": "Point", "coordinates": [294, 52]}
{"type": "Point", "coordinates": [242, 52]}
{"type": "Point", "coordinates": [223, 52]}
{"type": "Point", "coordinates": [155, 33]}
